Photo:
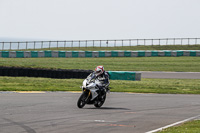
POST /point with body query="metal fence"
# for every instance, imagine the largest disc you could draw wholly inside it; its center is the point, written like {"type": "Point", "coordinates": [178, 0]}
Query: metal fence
{"type": "Point", "coordinates": [96, 43]}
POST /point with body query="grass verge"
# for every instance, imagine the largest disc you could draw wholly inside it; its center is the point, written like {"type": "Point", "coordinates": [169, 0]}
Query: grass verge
{"type": "Point", "coordinates": [186, 64]}
{"type": "Point", "coordinates": [167, 86]}
{"type": "Point", "coordinates": [188, 127]}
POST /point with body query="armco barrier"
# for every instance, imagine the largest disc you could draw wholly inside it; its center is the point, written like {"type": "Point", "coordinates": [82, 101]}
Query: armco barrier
{"type": "Point", "coordinates": [34, 54]}
{"type": "Point", "coordinates": [19, 54]}
{"type": "Point", "coordinates": [12, 54]}
{"type": "Point", "coordinates": [48, 53]}
{"type": "Point", "coordinates": [141, 53]}
{"type": "Point", "coordinates": [108, 54]}
{"type": "Point", "coordinates": [95, 54]}
{"type": "Point", "coordinates": [75, 54]}
{"type": "Point", "coordinates": [124, 75]}
{"type": "Point", "coordinates": [114, 53]}
{"type": "Point", "coordinates": [154, 53]}
{"type": "Point", "coordinates": [198, 53]}
{"type": "Point", "coordinates": [167, 53]}
{"type": "Point", "coordinates": [5, 54]}
{"type": "Point", "coordinates": [101, 53]}
{"type": "Point", "coordinates": [27, 54]}
{"type": "Point", "coordinates": [61, 54]}
{"type": "Point", "coordinates": [134, 53]}
{"type": "Point", "coordinates": [41, 53]}
{"type": "Point", "coordinates": [68, 54]}
{"type": "Point", "coordinates": [55, 53]}
{"type": "Point", "coordinates": [192, 53]}
{"type": "Point", "coordinates": [127, 53]}
{"type": "Point", "coordinates": [81, 54]}
{"type": "Point", "coordinates": [88, 54]}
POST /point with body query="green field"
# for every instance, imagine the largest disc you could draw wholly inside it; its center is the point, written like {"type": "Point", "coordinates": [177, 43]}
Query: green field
{"type": "Point", "coordinates": [185, 64]}
{"type": "Point", "coordinates": [163, 86]}
{"type": "Point", "coordinates": [188, 127]}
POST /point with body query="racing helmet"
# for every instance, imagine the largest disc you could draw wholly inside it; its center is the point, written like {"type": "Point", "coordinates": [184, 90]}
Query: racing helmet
{"type": "Point", "coordinates": [99, 70]}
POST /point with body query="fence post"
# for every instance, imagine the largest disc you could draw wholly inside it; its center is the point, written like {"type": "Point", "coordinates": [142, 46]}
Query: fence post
{"type": "Point", "coordinates": [144, 42]}
{"type": "Point", "coordinates": [49, 44]}
{"type": "Point", "coordinates": [167, 41]}
{"type": "Point", "coordinates": [42, 45]}
{"type": "Point", "coordinates": [130, 43]}
{"type": "Point", "coordinates": [188, 41]}
{"type": "Point", "coordinates": [137, 42]}
{"type": "Point", "coordinates": [72, 44]}
{"type": "Point", "coordinates": [10, 45]}
{"type": "Point", "coordinates": [18, 46]}
{"type": "Point", "coordinates": [65, 44]}
{"type": "Point", "coordinates": [195, 41]}
{"type": "Point", "coordinates": [3, 46]}
{"type": "Point", "coordinates": [122, 43]}
{"type": "Point", "coordinates": [26, 45]}
{"type": "Point", "coordinates": [79, 43]}
{"type": "Point", "coordinates": [93, 43]}
{"type": "Point", "coordinates": [152, 42]}
{"type": "Point", "coordinates": [57, 45]}
{"type": "Point", "coordinates": [181, 41]}
{"type": "Point", "coordinates": [159, 42]}
{"type": "Point", "coordinates": [34, 44]}
{"type": "Point", "coordinates": [174, 41]}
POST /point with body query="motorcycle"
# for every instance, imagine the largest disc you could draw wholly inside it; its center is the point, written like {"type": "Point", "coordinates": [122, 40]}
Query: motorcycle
{"type": "Point", "coordinates": [91, 93]}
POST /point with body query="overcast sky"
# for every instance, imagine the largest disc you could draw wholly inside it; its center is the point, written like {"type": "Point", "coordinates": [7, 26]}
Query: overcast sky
{"type": "Point", "coordinates": [99, 19]}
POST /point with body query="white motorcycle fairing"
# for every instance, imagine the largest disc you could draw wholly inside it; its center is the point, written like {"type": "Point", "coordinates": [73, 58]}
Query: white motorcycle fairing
{"type": "Point", "coordinates": [91, 93]}
{"type": "Point", "coordinates": [92, 87]}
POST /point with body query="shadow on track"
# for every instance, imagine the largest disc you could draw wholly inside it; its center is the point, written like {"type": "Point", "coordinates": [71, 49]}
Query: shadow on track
{"type": "Point", "coordinates": [109, 108]}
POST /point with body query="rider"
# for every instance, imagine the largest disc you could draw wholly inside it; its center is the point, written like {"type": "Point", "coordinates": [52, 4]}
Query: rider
{"type": "Point", "coordinates": [102, 76]}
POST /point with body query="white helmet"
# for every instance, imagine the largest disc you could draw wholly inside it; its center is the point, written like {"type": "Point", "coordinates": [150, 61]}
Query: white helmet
{"type": "Point", "coordinates": [99, 70]}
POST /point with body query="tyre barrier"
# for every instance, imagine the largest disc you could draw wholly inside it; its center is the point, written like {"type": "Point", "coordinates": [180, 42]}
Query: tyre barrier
{"type": "Point", "coordinates": [75, 54]}
{"type": "Point", "coordinates": [64, 74]}
{"type": "Point", "coordinates": [47, 73]}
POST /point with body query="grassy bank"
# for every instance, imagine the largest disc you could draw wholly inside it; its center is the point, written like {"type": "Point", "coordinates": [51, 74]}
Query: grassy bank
{"type": "Point", "coordinates": [168, 86]}
{"type": "Point", "coordinates": [186, 64]}
{"type": "Point", "coordinates": [188, 127]}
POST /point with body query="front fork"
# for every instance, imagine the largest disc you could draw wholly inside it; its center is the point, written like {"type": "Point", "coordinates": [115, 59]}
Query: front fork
{"type": "Point", "coordinates": [89, 93]}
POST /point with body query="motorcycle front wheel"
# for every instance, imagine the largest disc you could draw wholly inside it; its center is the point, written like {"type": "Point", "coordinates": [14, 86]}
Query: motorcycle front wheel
{"type": "Point", "coordinates": [82, 100]}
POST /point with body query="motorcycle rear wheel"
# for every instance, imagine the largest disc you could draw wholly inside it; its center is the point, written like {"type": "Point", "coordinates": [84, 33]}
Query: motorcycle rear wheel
{"type": "Point", "coordinates": [100, 102]}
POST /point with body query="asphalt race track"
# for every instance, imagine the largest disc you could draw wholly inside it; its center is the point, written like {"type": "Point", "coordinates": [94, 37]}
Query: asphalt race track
{"type": "Point", "coordinates": [56, 112]}
{"type": "Point", "coordinates": [171, 75]}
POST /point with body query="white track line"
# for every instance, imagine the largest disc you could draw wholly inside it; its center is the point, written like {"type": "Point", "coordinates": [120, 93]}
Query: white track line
{"type": "Point", "coordinates": [171, 125]}
{"type": "Point", "coordinates": [103, 121]}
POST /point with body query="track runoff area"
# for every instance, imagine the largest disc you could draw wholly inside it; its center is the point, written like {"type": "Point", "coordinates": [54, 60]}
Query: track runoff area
{"type": "Point", "coordinates": [57, 112]}
{"type": "Point", "coordinates": [122, 112]}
